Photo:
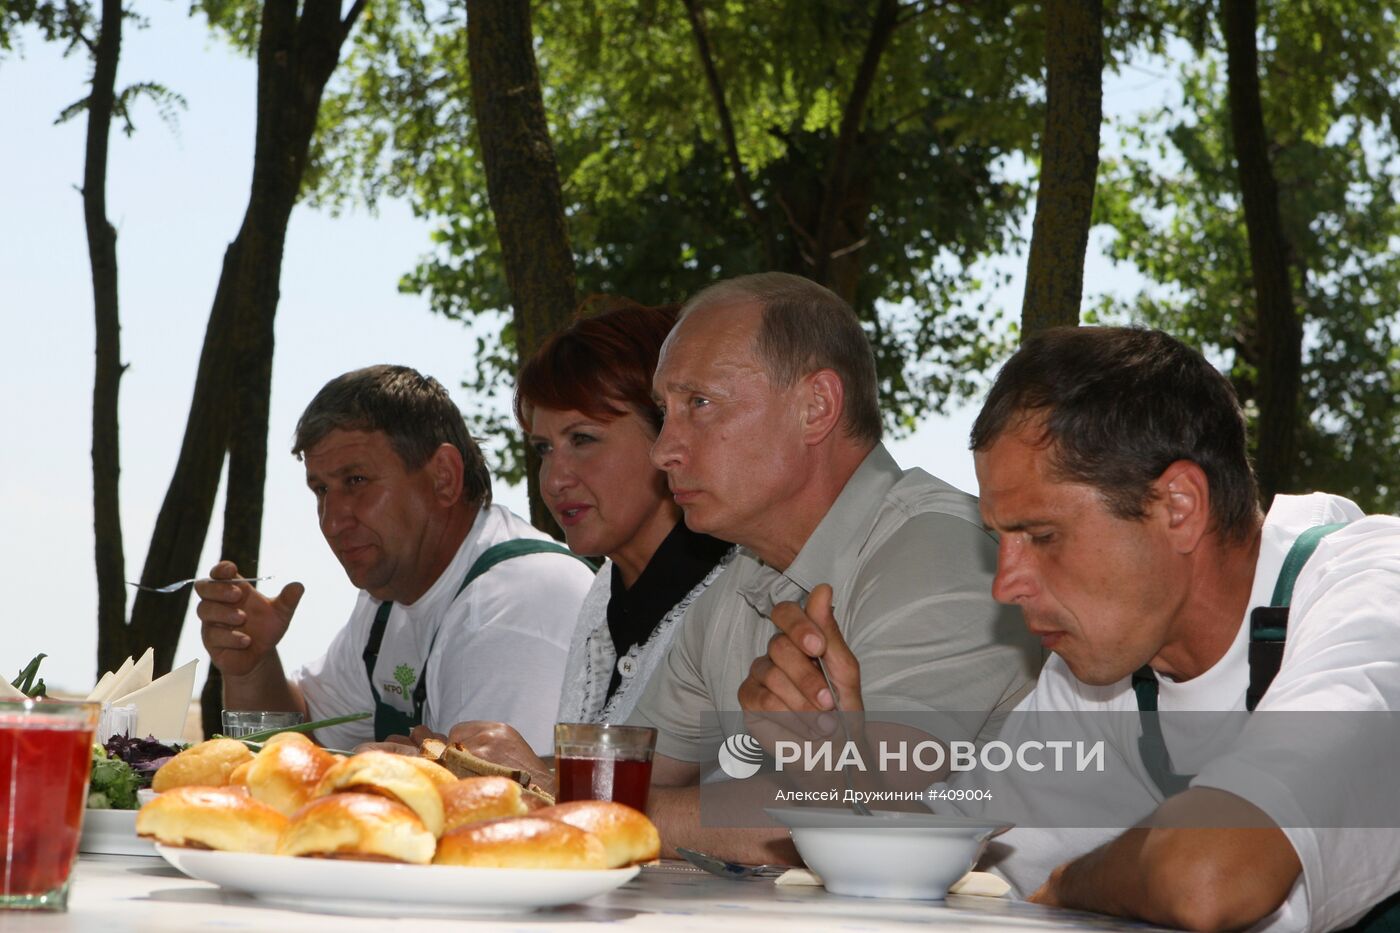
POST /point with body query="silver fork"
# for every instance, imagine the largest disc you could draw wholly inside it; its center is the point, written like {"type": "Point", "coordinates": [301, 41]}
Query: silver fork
{"type": "Point", "coordinates": [727, 869]}
{"type": "Point", "coordinates": [857, 805]}
{"type": "Point", "coordinates": [181, 584]}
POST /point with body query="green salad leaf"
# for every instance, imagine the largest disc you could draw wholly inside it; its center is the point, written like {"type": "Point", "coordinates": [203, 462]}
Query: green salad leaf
{"type": "Point", "coordinates": [113, 784]}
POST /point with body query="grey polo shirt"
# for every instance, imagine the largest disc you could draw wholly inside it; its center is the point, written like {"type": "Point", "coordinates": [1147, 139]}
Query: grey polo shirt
{"type": "Point", "coordinates": [911, 568]}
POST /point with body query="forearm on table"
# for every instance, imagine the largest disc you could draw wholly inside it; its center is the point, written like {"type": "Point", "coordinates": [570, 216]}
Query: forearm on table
{"type": "Point", "coordinates": [265, 687]}
{"type": "Point", "coordinates": [1194, 878]}
{"type": "Point", "coordinates": [676, 813]}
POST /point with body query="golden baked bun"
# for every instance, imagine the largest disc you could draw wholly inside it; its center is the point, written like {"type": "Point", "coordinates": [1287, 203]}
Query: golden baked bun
{"type": "Point", "coordinates": [358, 826]}
{"type": "Point", "coordinates": [478, 799]}
{"type": "Point", "coordinates": [389, 775]}
{"type": "Point", "coordinates": [627, 835]}
{"type": "Point", "coordinates": [285, 774]}
{"type": "Point", "coordinates": [521, 842]}
{"type": "Point", "coordinates": [223, 818]}
{"type": "Point", "coordinates": [207, 764]}
{"type": "Point", "coordinates": [238, 777]}
{"type": "Point", "coordinates": [435, 772]}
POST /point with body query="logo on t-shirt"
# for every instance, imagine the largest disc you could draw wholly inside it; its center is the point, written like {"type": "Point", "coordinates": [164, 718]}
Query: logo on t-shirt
{"type": "Point", "coordinates": [405, 676]}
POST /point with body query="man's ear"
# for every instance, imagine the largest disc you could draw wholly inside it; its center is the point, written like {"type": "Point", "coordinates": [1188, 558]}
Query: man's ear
{"type": "Point", "coordinates": [1183, 494]}
{"type": "Point", "coordinates": [445, 469]}
{"type": "Point", "coordinates": [823, 402]}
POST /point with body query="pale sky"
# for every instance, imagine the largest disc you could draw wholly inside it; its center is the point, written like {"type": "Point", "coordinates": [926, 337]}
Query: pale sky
{"type": "Point", "coordinates": [176, 199]}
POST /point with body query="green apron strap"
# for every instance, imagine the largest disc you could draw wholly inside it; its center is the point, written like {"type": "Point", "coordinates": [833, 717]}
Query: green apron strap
{"type": "Point", "coordinates": [388, 720]}
{"type": "Point", "coordinates": [518, 547]}
{"type": "Point", "coordinates": [1298, 554]}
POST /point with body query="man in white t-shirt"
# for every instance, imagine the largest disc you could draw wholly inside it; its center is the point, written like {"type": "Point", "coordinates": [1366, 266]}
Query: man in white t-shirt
{"type": "Point", "coordinates": [465, 611]}
{"type": "Point", "coordinates": [1112, 463]}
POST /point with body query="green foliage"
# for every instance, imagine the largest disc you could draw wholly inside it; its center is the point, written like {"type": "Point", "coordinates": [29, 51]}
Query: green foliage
{"type": "Point", "coordinates": [168, 104]}
{"type": "Point", "coordinates": [650, 197]}
{"type": "Point", "coordinates": [1327, 71]}
{"type": "Point", "coordinates": [67, 22]}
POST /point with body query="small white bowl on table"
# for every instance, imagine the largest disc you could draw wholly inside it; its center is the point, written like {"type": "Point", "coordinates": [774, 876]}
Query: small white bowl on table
{"type": "Point", "coordinates": [113, 832]}
{"type": "Point", "coordinates": [889, 853]}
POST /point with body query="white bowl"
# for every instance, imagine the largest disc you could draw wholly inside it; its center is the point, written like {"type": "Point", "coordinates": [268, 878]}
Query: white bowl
{"type": "Point", "coordinates": [112, 832]}
{"type": "Point", "coordinates": [888, 854]}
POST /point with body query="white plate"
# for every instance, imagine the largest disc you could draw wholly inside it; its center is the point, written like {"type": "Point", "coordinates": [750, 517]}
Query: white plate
{"type": "Point", "coordinates": [342, 886]}
{"type": "Point", "coordinates": [112, 832]}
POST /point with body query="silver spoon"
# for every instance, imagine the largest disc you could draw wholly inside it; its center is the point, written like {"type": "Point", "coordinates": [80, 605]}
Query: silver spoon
{"type": "Point", "coordinates": [181, 584]}
{"type": "Point", "coordinates": [857, 805]}
{"type": "Point", "coordinates": [734, 871]}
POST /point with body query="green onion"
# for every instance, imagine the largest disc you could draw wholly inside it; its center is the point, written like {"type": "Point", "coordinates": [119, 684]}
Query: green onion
{"type": "Point", "coordinates": [25, 684]}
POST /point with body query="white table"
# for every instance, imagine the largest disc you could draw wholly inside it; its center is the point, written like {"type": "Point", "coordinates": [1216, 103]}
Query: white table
{"type": "Point", "coordinates": [144, 895]}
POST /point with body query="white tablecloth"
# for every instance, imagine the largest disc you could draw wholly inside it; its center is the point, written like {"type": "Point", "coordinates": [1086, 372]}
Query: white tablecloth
{"type": "Point", "coordinates": [116, 894]}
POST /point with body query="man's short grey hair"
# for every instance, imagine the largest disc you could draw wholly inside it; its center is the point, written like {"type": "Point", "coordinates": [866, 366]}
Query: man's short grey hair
{"type": "Point", "coordinates": [805, 327]}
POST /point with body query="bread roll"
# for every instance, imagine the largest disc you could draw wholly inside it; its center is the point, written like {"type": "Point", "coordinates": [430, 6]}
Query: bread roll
{"type": "Point", "coordinates": [358, 826]}
{"type": "Point", "coordinates": [223, 818]}
{"type": "Point", "coordinates": [627, 835]}
{"type": "Point", "coordinates": [435, 772]}
{"type": "Point", "coordinates": [478, 799]}
{"type": "Point", "coordinates": [207, 764]}
{"type": "Point", "coordinates": [238, 777]}
{"type": "Point", "coordinates": [521, 842]}
{"type": "Point", "coordinates": [389, 775]}
{"type": "Point", "coordinates": [285, 774]}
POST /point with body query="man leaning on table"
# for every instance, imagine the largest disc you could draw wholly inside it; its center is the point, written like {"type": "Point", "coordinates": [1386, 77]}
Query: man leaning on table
{"type": "Point", "coordinates": [465, 611]}
{"type": "Point", "coordinates": [1112, 463]}
{"type": "Point", "coordinates": [771, 440]}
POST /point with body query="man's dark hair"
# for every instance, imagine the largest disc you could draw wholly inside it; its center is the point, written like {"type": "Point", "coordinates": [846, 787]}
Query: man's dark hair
{"type": "Point", "coordinates": [414, 411]}
{"type": "Point", "coordinates": [1118, 406]}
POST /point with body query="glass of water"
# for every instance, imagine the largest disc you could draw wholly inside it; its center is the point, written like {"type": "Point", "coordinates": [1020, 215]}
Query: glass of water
{"type": "Point", "coordinates": [241, 722]}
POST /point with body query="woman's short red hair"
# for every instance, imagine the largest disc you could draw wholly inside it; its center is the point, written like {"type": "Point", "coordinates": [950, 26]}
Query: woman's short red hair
{"type": "Point", "coordinates": [599, 360]}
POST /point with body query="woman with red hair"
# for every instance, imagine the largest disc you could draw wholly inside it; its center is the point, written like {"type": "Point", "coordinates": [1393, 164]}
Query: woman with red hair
{"type": "Point", "coordinates": [585, 402]}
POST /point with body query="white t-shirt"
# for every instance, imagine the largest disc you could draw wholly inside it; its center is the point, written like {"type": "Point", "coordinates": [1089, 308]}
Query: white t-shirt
{"type": "Point", "coordinates": [499, 652]}
{"type": "Point", "coordinates": [1342, 653]}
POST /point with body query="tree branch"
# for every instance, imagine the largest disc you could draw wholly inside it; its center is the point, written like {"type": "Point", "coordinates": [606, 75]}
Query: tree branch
{"type": "Point", "coordinates": [726, 123]}
{"type": "Point", "coordinates": [838, 178]}
{"type": "Point", "coordinates": [351, 16]}
{"type": "Point", "coordinates": [914, 11]}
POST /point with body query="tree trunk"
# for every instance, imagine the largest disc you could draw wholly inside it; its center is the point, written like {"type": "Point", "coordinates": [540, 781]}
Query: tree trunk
{"type": "Point", "coordinates": [295, 60]}
{"type": "Point", "coordinates": [829, 250]}
{"type": "Point", "coordinates": [1069, 164]}
{"type": "Point", "coordinates": [229, 409]}
{"type": "Point", "coordinates": [102, 254]}
{"type": "Point", "coordinates": [522, 182]}
{"type": "Point", "coordinates": [1280, 329]}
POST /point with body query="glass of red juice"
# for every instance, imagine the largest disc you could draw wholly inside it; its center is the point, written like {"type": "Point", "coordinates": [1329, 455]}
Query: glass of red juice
{"type": "Point", "coordinates": [45, 758]}
{"type": "Point", "coordinates": [598, 761]}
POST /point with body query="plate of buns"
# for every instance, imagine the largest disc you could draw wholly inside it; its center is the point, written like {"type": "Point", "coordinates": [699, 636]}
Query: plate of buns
{"type": "Point", "coordinates": [297, 826]}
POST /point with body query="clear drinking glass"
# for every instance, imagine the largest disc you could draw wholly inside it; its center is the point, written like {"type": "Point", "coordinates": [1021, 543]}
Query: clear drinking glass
{"type": "Point", "coordinates": [598, 761]}
{"type": "Point", "coordinates": [45, 760]}
{"type": "Point", "coordinates": [241, 722]}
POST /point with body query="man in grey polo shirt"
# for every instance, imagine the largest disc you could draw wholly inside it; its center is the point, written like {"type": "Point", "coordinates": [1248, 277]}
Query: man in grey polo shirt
{"type": "Point", "coordinates": [772, 441]}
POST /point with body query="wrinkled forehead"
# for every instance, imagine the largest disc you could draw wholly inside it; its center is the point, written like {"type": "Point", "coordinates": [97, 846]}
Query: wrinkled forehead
{"type": "Point", "coordinates": [706, 339]}
{"type": "Point", "coordinates": [1020, 457]}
